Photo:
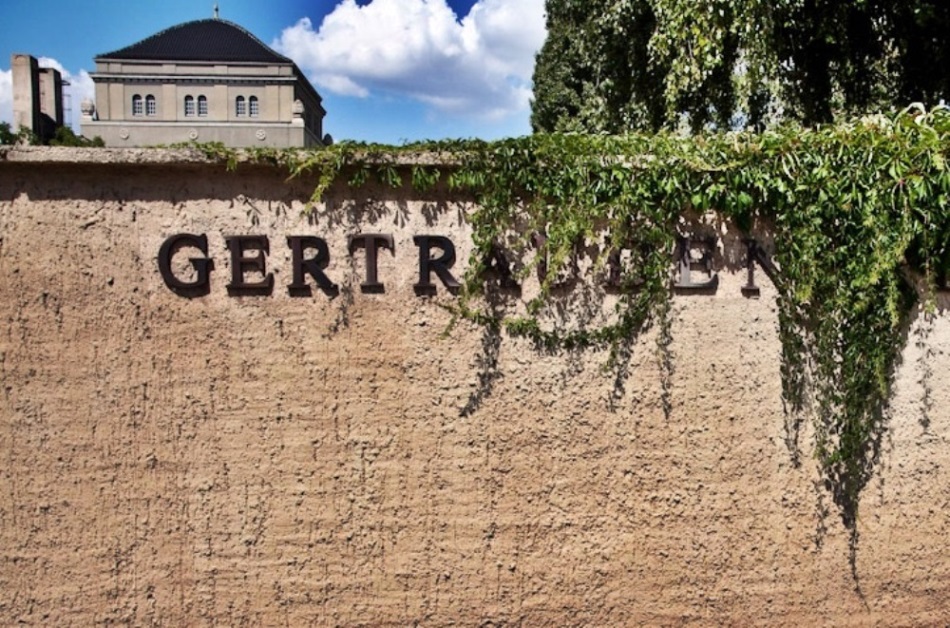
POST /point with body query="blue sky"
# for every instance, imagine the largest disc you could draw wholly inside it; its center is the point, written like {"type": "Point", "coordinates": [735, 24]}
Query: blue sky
{"type": "Point", "coordinates": [388, 70]}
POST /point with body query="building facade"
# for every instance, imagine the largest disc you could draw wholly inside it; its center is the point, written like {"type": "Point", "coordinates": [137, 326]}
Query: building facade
{"type": "Point", "coordinates": [204, 81]}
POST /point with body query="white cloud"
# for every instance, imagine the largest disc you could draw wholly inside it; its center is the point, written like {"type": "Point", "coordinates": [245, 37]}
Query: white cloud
{"type": "Point", "coordinates": [49, 62]}
{"type": "Point", "coordinates": [479, 66]}
{"type": "Point", "coordinates": [80, 87]}
{"type": "Point", "coordinates": [6, 96]}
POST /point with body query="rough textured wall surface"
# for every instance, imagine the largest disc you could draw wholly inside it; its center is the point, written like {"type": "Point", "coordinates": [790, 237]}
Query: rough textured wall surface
{"type": "Point", "coordinates": [308, 460]}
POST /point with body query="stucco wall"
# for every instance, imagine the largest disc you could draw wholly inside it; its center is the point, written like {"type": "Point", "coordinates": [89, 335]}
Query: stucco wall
{"type": "Point", "coordinates": [288, 460]}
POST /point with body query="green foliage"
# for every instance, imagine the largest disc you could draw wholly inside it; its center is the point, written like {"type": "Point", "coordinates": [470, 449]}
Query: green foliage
{"type": "Point", "coordinates": [855, 209]}
{"type": "Point", "coordinates": [7, 136]}
{"type": "Point", "coordinates": [619, 65]}
{"type": "Point", "coordinates": [23, 136]}
{"type": "Point", "coordinates": [66, 137]}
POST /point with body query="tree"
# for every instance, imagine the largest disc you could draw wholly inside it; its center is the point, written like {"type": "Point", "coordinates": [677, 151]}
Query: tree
{"type": "Point", "coordinates": [23, 136]}
{"type": "Point", "coordinates": [7, 136]}
{"type": "Point", "coordinates": [65, 136]}
{"type": "Point", "coordinates": [618, 65]}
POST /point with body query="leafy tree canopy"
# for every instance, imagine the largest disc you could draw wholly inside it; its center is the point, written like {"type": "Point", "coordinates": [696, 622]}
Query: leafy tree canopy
{"type": "Point", "coordinates": [7, 136]}
{"type": "Point", "coordinates": [610, 66]}
{"type": "Point", "coordinates": [65, 136]}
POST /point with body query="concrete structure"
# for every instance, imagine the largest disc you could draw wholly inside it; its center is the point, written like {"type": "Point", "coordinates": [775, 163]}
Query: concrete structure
{"type": "Point", "coordinates": [205, 81]}
{"type": "Point", "coordinates": [37, 97]}
{"type": "Point", "coordinates": [349, 460]}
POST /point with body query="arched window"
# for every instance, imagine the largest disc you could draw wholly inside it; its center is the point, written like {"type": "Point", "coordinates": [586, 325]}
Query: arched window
{"type": "Point", "coordinates": [189, 105]}
{"type": "Point", "coordinates": [253, 106]}
{"type": "Point", "coordinates": [240, 107]}
{"type": "Point", "coordinates": [151, 108]}
{"type": "Point", "coordinates": [137, 109]}
{"type": "Point", "coordinates": [202, 106]}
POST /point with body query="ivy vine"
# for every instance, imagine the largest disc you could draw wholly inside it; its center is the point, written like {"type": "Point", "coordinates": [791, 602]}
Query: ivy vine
{"type": "Point", "coordinates": [859, 212]}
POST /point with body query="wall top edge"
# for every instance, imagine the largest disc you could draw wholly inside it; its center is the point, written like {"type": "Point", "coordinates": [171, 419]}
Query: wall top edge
{"type": "Point", "coordinates": [103, 156]}
{"type": "Point", "coordinates": [62, 155]}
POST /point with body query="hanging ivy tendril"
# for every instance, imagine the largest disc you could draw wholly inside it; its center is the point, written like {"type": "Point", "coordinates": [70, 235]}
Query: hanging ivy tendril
{"type": "Point", "coordinates": [858, 210]}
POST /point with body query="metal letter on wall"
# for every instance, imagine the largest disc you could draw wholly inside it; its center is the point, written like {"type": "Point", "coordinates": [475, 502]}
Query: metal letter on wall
{"type": "Point", "coordinates": [496, 263]}
{"type": "Point", "coordinates": [241, 264]}
{"type": "Point", "coordinates": [313, 266]}
{"type": "Point", "coordinates": [755, 253]}
{"type": "Point", "coordinates": [566, 276]}
{"type": "Point", "coordinates": [622, 274]}
{"type": "Point", "coordinates": [202, 265]}
{"type": "Point", "coordinates": [371, 243]}
{"type": "Point", "coordinates": [687, 264]}
{"type": "Point", "coordinates": [439, 265]}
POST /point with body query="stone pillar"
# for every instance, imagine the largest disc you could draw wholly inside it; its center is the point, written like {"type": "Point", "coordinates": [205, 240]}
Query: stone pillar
{"type": "Point", "coordinates": [26, 92]}
{"type": "Point", "coordinates": [51, 94]}
{"type": "Point", "coordinates": [37, 97]}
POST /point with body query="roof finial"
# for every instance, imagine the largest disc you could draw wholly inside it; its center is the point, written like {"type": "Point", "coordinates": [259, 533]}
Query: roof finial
{"type": "Point", "coordinates": [216, 16]}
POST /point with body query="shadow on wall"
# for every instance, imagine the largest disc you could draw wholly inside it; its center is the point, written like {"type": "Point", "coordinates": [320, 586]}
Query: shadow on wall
{"type": "Point", "coordinates": [159, 181]}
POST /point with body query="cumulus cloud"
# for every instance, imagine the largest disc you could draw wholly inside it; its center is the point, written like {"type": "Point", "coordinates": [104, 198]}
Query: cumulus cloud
{"type": "Point", "coordinates": [80, 88]}
{"type": "Point", "coordinates": [479, 66]}
{"type": "Point", "coordinates": [6, 96]}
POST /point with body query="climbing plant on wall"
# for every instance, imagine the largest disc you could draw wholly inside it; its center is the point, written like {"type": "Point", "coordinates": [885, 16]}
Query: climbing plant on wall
{"type": "Point", "coordinates": [859, 212]}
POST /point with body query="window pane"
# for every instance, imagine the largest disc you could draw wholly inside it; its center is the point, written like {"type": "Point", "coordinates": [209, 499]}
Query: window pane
{"type": "Point", "coordinates": [202, 106]}
{"type": "Point", "coordinates": [240, 107]}
{"type": "Point", "coordinates": [253, 105]}
{"type": "Point", "coordinates": [189, 106]}
{"type": "Point", "coordinates": [136, 105]}
{"type": "Point", "coordinates": [150, 106]}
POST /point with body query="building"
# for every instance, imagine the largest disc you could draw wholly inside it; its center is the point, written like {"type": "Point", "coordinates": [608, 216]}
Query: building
{"type": "Point", "coordinates": [37, 97]}
{"type": "Point", "coordinates": [206, 81]}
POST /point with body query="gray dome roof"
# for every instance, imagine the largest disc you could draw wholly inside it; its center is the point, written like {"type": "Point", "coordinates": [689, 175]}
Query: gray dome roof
{"type": "Point", "coordinates": [201, 40]}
